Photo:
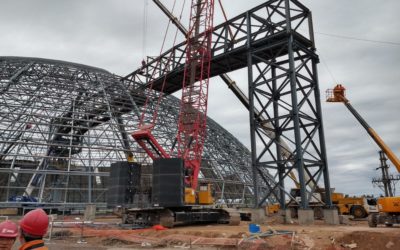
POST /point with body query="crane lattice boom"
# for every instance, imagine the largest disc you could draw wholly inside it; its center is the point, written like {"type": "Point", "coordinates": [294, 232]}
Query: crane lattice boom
{"type": "Point", "coordinates": [193, 110]}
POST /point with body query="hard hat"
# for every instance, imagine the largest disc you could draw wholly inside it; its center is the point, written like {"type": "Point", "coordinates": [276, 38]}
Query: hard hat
{"type": "Point", "coordinates": [8, 229]}
{"type": "Point", "coordinates": [35, 222]}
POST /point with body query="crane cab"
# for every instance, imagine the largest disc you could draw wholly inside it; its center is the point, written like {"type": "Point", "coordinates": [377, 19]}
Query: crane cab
{"type": "Point", "coordinates": [190, 196]}
{"type": "Point", "coordinates": [205, 194]}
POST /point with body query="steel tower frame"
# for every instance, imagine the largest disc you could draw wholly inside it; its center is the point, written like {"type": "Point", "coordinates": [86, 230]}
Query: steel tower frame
{"type": "Point", "coordinates": [283, 87]}
{"type": "Point", "coordinates": [275, 42]}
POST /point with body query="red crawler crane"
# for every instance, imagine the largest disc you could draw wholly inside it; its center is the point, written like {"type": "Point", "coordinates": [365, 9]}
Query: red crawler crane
{"type": "Point", "coordinates": [193, 110]}
{"type": "Point", "coordinates": [193, 107]}
{"type": "Point", "coordinates": [175, 180]}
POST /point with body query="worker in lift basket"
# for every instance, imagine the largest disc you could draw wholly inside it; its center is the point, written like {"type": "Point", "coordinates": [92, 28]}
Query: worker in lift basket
{"type": "Point", "coordinates": [33, 227]}
{"type": "Point", "coordinates": [8, 234]}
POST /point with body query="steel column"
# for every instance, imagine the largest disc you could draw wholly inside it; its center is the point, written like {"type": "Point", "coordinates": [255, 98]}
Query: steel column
{"type": "Point", "coordinates": [295, 110]}
{"type": "Point", "coordinates": [251, 113]}
{"type": "Point", "coordinates": [321, 134]}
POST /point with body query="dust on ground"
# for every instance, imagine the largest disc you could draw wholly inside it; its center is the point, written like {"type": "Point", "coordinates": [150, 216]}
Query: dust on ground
{"type": "Point", "coordinates": [355, 235]}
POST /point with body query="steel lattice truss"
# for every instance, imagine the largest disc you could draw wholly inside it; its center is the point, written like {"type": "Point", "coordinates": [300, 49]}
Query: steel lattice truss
{"type": "Point", "coordinates": [63, 124]}
{"type": "Point", "coordinates": [283, 86]}
{"type": "Point", "coordinates": [275, 42]}
{"type": "Point", "coordinates": [89, 111]}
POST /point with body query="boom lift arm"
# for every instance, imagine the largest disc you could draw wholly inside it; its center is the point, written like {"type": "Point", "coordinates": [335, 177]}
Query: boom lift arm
{"type": "Point", "coordinates": [389, 207]}
{"type": "Point", "coordinates": [338, 95]}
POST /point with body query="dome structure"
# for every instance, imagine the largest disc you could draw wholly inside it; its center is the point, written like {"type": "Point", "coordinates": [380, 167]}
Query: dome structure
{"type": "Point", "coordinates": [63, 124]}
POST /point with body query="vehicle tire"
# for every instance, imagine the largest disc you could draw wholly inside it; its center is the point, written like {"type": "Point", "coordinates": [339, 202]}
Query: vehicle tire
{"type": "Point", "coordinates": [373, 220]}
{"type": "Point", "coordinates": [318, 213]}
{"type": "Point", "coordinates": [388, 224]}
{"type": "Point", "coordinates": [358, 212]}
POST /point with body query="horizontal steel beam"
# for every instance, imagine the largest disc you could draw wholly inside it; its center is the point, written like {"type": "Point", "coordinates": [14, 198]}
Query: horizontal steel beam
{"type": "Point", "coordinates": [52, 172]}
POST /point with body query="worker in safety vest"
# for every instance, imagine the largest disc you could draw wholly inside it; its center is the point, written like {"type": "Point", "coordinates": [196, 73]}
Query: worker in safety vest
{"type": "Point", "coordinates": [8, 234]}
{"type": "Point", "coordinates": [33, 227]}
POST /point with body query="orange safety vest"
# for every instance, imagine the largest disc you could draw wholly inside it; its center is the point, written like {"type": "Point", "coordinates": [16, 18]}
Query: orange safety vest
{"type": "Point", "coordinates": [34, 245]}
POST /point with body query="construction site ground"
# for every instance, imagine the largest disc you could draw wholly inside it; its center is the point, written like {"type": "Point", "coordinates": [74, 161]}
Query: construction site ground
{"type": "Point", "coordinates": [105, 234]}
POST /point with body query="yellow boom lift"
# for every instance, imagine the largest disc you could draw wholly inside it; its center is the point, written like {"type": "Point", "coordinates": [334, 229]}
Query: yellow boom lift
{"type": "Point", "coordinates": [389, 207]}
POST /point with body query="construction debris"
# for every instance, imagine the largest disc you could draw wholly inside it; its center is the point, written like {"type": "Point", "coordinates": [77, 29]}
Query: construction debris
{"type": "Point", "coordinates": [350, 246]}
{"type": "Point", "coordinates": [345, 219]}
{"type": "Point", "coordinates": [62, 234]}
{"type": "Point", "coordinates": [389, 245]}
{"type": "Point", "coordinates": [270, 232]}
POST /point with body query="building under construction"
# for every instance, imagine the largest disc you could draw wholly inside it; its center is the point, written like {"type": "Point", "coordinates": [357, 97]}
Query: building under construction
{"type": "Point", "coordinates": [78, 137]}
{"type": "Point", "coordinates": [64, 124]}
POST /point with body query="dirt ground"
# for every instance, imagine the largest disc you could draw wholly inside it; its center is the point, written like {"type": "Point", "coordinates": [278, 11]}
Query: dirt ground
{"type": "Point", "coordinates": [355, 235]}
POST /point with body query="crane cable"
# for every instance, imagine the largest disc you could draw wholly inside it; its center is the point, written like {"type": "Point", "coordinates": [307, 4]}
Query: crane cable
{"type": "Point", "coordinates": [155, 114]}
{"type": "Point", "coordinates": [144, 108]}
{"type": "Point", "coordinates": [144, 27]}
{"type": "Point", "coordinates": [142, 117]}
{"type": "Point", "coordinates": [226, 19]}
{"type": "Point", "coordinates": [358, 39]}
{"type": "Point", "coordinates": [350, 38]}
{"type": "Point", "coordinates": [328, 69]}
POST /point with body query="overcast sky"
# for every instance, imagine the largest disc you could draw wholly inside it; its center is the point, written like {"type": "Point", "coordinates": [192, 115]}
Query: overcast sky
{"type": "Point", "coordinates": [109, 34]}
